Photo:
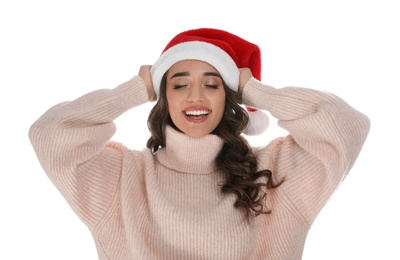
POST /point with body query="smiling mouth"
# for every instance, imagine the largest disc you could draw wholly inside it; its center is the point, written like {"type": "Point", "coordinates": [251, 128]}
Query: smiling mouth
{"type": "Point", "coordinates": [196, 116]}
{"type": "Point", "coordinates": [197, 113]}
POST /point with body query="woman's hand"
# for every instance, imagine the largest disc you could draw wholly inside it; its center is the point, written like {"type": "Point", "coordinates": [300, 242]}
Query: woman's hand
{"type": "Point", "coordinates": [245, 75]}
{"type": "Point", "coordinates": [144, 73]}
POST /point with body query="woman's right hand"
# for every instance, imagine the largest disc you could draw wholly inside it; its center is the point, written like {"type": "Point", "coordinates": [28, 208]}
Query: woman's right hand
{"type": "Point", "coordinates": [144, 73]}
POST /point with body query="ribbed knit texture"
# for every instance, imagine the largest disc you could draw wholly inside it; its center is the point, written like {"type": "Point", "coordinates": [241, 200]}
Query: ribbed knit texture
{"type": "Point", "coordinates": [169, 205]}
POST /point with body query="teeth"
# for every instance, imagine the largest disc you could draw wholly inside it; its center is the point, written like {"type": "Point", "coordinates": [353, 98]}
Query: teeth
{"type": "Point", "coordinates": [196, 112]}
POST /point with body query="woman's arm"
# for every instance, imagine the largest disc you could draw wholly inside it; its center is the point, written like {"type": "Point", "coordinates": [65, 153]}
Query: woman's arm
{"type": "Point", "coordinates": [325, 138]}
{"type": "Point", "coordinates": [71, 141]}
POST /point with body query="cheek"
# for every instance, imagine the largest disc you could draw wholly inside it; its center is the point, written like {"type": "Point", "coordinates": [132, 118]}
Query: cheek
{"type": "Point", "coordinates": [172, 107]}
{"type": "Point", "coordinates": [170, 102]}
{"type": "Point", "coordinates": [221, 101]}
{"type": "Point", "coordinates": [220, 107]}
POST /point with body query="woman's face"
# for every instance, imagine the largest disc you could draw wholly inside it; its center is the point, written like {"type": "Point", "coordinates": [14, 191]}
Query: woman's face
{"type": "Point", "coordinates": [196, 97]}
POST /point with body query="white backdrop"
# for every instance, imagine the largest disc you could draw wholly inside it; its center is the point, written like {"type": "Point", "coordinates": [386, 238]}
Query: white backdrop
{"type": "Point", "coordinates": [52, 51]}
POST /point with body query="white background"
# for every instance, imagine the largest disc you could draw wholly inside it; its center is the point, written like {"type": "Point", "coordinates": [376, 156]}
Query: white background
{"type": "Point", "coordinates": [52, 51]}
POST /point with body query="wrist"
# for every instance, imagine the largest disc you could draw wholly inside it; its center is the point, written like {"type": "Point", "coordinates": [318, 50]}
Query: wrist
{"type": "Point", "coordinates": [151, 93]}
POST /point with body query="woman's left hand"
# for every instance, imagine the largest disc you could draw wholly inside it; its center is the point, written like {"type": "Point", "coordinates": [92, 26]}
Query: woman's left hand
{"type": "Point", "coordinates": [245, 75]}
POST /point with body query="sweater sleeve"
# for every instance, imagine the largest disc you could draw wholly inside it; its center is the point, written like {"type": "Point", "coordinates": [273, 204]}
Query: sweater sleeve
{"type": "Point", "coordinates": [325, 138]}
{"type": "Point", "coordinates": [71, 141]}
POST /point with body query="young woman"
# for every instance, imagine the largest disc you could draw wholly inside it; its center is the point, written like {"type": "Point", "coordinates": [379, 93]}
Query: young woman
{"type": "Point", "coordinates": [199, 191]}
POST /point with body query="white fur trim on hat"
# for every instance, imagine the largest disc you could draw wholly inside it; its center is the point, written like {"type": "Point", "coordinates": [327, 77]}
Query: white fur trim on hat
{"type": "Point", "coordinates": [196, 50]}
{"type": "Point", "coordinates": [258, 122]}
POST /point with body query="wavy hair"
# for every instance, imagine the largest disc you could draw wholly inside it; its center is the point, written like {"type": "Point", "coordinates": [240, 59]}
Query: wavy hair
{"type": "Point", "coordinates": [236, 159]}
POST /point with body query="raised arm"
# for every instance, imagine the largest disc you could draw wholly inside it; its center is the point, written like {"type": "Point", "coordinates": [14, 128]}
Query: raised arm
{"type": "Point", "coordinates": [325, 138]}
{"type": "Point", "coordinates": [71, 141]}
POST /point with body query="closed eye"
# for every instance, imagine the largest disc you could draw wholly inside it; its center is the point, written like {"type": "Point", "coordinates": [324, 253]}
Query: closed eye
{"type": "Point", "coordinates": [179, 86]}
{"type": "Point", "coordinates": [212, 86]}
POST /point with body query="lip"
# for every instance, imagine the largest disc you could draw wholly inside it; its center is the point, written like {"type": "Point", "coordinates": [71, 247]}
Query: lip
{"type": "Point", "coordinates": [194, 108]}
{"type": "Point", "coordinates": [196, 119]}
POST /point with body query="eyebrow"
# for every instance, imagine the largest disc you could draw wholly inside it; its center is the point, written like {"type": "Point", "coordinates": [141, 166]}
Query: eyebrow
{"type": "Point", "coordinates": [185, 74]}
{"type": "Point", "coordinates": [214, 74]}
{"type": "Point", "coordinates": [180, 74]}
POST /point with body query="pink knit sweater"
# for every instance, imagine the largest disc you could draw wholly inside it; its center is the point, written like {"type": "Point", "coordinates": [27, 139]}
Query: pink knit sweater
{"type": "Point", "coordinates": [169, 206]}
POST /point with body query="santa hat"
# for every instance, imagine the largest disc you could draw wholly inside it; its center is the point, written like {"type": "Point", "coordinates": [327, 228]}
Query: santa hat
{"type": "Point", "coordinates": [226, 52]}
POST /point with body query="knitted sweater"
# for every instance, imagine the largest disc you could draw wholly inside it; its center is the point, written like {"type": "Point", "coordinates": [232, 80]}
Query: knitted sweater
{"type": "Point", "coordinates": [169, 205]}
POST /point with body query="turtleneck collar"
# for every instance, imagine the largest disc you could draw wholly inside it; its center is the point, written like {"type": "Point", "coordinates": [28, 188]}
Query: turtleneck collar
{"type": "Point", "coordinates": [188, 154]}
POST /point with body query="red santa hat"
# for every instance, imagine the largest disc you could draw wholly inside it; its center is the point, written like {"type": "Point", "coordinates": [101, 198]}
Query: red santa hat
{"type": "Point", "coordinates": [225, 51]}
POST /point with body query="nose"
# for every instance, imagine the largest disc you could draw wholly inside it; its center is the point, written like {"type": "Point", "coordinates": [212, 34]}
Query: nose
{"type": "Point", "coordinates": [195, 94]}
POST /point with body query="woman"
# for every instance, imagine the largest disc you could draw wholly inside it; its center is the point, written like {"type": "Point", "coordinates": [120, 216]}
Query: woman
{"type": "Point", "coordinates": [199, 191]}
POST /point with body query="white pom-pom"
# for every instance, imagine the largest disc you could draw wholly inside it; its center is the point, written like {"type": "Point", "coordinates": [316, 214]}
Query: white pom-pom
{"type": "Point", "coordinates": [258, 122]}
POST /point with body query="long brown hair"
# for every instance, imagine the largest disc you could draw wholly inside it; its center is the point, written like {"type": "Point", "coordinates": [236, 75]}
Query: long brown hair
{"type": "Point", "coordinates": [236, 159]}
